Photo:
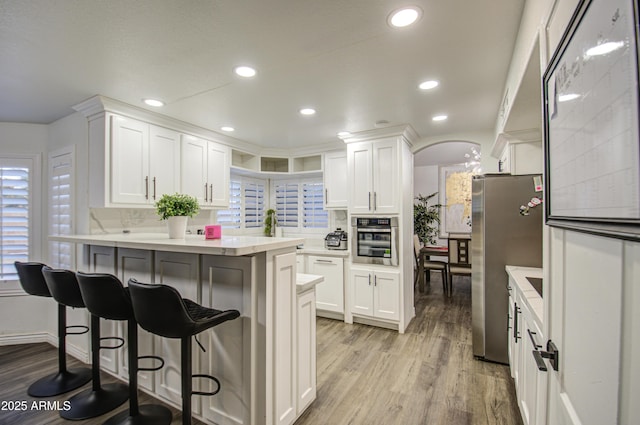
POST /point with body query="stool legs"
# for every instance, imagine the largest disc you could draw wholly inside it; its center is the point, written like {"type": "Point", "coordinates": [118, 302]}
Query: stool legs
{"type": "Point", "coordinates": [147, 414]}
{"type": "Point", "coordinates": [99, 399]}
{"type": "Point", "coordinates": [187, 383]}
{"type": "Point", "coordinates": [65, 379]}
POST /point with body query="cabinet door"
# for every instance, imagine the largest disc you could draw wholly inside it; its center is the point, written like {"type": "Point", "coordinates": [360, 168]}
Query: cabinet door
{"type": "Point", "coordinates": [306, 351]}
{"type": "Point", "coordinates": [218, 175]}
{"type": "Point", "coordinates": [193, 168]}
{"type": "Point", "coordinates": [385, 177]}
{"type": "Point", "coordinates": [330, 293]}
{"type": "Point", "coordinates": [533, 382]}
{"type": "Point", "coordinates": [386, 295]}
{"type": "Point", "coordinates": [136, 263]}
{"type": "Point", "coordinates": [129, 161]}
{"type": "Point", "coordinates": [362, 292]}
{"type": "Point", "coordinates": [164, 162]}
{"type": "Point", "coordinates": [359, 166]}
{"type": "Point", "coordinates": [335, 180]}
{"type": "Point", "coordinates": [180, 271]}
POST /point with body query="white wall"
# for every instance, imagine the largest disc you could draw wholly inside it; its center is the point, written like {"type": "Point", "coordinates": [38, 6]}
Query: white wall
{"type": "Point", "coordinates": [25, 316]}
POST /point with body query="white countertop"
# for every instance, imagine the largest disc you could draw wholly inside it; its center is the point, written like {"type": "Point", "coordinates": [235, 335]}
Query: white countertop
{"type": "Point", "coordinates": [305, 281]}
{"type": "Point", "coordinates": [530, 295]}
{"type": "Point", "coordinates": [196, 244]}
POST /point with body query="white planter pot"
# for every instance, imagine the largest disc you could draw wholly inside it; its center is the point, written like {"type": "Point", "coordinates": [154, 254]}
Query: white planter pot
{"type": "Point", "coordinates": [177, 226]}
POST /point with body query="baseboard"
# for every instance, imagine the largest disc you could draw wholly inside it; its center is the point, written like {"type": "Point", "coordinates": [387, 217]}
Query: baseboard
{"type": "Point", "coordinates": [376, 323]}
{"type": "Point", "coordinates": [330, 315]}
{"type": "Point", "coordinates": [38, 337]}
{"type": "Point", "coordinates": [30, 338]}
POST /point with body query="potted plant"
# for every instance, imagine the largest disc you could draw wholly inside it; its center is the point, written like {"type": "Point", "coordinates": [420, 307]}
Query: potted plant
{"type": "Point", "coordinates": [426, 219]}
{"type": "Point", "coordinates": [176, 209]}
{"type": "Point", "coordinates": [270, 221]}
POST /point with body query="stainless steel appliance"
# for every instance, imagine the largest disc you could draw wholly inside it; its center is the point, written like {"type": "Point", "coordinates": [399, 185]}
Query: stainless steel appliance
{"type": "Point", "coordinates": [375, 240]}
{"type": "Point", "coordinates": [500, 236]}
{"type": "Point", "coordinates": [336, 240]}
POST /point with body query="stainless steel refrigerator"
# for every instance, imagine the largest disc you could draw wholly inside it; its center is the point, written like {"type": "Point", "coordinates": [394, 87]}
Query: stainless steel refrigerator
{"type": "Point", "coordinates": [500, 236]}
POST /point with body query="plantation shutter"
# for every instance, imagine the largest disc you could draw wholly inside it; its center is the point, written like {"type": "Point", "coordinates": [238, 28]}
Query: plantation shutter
{"type": "Point", "coordinates": [287, 204]}
{"type": "Point", "coordinates": [61, 209]}
{"type": "Point", "coordinates": [230, 218]}
{"type": "Point", "coordinates": [314, 215]}
{"type": "Point", "coordinates": [254, 204]}
{"type": "Point", "coordinates": [14, 219]}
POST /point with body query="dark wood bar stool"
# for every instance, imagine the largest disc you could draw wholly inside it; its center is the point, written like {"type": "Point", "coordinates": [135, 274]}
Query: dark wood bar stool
{"type": "Point", "coordinates": [65, 380]}
{"type": "Point", "coordinates": [107, 298]}
{"type": "Point", "coordinates": [179, 318]}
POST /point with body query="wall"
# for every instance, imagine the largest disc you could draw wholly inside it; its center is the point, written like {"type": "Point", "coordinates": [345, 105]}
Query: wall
{"type": "Point", "coordinates": [425, 182]}
{"type": "Point", "coordinates": [593, 301]}
{"type": "Point", "coordinates": [19, 323]}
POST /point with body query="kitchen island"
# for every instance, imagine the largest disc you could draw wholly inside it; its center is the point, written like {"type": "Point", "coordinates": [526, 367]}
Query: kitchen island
{"type": "Point", "coordinates": [255, 357]}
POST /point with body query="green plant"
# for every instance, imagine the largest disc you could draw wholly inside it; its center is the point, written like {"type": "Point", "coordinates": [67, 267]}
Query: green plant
{"type": "Point", "coordinates": [426, 219]}
{"type": "Point", "coordinates": [270, 222]}
{"type": "Point", "coordinates": [177, 205]}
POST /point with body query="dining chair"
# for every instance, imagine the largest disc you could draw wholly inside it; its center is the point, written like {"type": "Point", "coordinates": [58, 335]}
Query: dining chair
{"type": "Point", "coordinates": [459, 259]}
{"type": "Point", "coordinates": [428, 264]}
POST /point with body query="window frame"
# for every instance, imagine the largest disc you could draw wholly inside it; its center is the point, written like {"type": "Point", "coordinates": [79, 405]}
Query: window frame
{"type": "Point", "coordinates": [300, 229]}
{"type": "Point", "coordinates": [34, 163]}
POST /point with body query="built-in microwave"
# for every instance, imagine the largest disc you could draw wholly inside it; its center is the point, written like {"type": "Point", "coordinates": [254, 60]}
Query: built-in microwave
{"type": "Point", "coordinates": [375, 240]}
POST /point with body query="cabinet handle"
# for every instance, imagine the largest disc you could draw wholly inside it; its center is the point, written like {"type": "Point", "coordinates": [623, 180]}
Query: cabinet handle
{"type": "Point", "coordinates": [552, 354]}
{"type": "Point", "coordinates": [324, 261]}
{"type": "Point", "coordinates": [326, 196]}
{"type": "Point", "coordinates": [375, 201]}
{"type": "Point", "coordinates": [516, 310]}
{"type": "Point", "coordinates": [146, 190]}
{"type": "Point", "coordinates": [206, 193]}
{"type": "Point", "coordinates": [369, 280]}
{"type": "Point", "coordinates": [369, 201]}
{"type": "Point", "coordinates": [533, 341]}
{"type": "Point", "coordinates": [211, 188]}
{"type": "Point", "coordinates": [154, 188]}
{"type": "Point", "coordinates": [375, 280]}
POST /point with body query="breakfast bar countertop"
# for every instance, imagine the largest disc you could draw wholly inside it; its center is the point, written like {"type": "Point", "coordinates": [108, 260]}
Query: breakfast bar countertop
{"type": "Point", "coordinates": [197, 244]}
{"type": "Point", "coordinates": [529, 294]}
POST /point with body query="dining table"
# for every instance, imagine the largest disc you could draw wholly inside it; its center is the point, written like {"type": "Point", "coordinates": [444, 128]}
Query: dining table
{"type": "Point", "coordinates": [426, 252]}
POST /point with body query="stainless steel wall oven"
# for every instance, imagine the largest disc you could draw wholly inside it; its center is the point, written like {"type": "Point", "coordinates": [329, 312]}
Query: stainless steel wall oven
{"type": "Point", "coordinates": [375, 240]}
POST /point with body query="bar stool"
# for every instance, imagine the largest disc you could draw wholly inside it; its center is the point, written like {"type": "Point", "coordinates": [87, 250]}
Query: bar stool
{"type": "Point", "coordinates": [107, 298]}
{"type": "Point", "coordinates": [64, 380]}
{"type": "Point", "coordinates": [180, 318]}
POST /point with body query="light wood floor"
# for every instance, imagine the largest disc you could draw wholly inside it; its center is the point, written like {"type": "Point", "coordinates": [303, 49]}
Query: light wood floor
{"type": "Point", "coordinates": [366, 375]}
{"type": "Point", "coordinates": [428, 376]}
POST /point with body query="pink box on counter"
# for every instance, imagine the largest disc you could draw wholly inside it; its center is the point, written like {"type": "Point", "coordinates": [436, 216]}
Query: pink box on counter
{"type": "Point", "coordinates": [213, 231]}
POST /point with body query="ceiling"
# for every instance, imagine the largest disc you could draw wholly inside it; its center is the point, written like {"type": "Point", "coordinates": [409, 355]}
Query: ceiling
{"type": "Point", "coordinates": [339, 57]}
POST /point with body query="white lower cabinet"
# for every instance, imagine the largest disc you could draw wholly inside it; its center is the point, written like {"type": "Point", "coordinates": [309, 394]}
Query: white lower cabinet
{"type": "Point", "coordinates": [306, 349]}
{"type": "Point", "coordinates": [525, 337]}
{"type": "Point", "coordinates": [375, 293]}
{"type": "Point", "coordinates": [330, 293]}
{"type": "Point", "coordinates": [180, 271]}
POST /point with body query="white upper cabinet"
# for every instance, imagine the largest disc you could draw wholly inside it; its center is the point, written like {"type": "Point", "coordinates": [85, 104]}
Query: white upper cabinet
{"type": "Point", "coordinates": [144, 161]}
{"type": "Point", "coordinates": [335, 180]}
{"type": "Point", "coordinates": [373, 177]}
{"type": "Point", "coordinates": [205, 171]}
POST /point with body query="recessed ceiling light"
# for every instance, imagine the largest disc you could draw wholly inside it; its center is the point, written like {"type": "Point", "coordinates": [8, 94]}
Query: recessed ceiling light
{"type": "Point", "coordinates": [343, 134]}
{"type": "Point", "coordinates": [227, 128]}
{"type": "Point", "coordinates": [404, 17]}
{"type": "Point", "coordinates": [428, 85]}
{"type": "Point", "coordinates": [439, 118]}
{"type": "Point", "coordinates": [245, 71]}
{"type": "Point", "coordinates": [153, 102]}
{"type": "Point", "coordinates": [307, 111]}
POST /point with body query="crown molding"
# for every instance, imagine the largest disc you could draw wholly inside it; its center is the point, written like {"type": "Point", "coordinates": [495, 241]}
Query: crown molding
{"type": "Point", "coordinates": [531, 135]}
{"type": "Point", "coordinates": [405, 130]}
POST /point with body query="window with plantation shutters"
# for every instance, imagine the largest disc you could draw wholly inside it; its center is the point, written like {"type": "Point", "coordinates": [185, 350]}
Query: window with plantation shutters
{"type": "Point", "coordinates": [14, 215]}
{"type": "Point", "coordinates": [300, 203]}
{"type": "Point", "coordinates": [313, 214]}
{"type": "Point", "coordinates": [253, 204]}
{"type": "Point", "coordinates": [231, 217]}
{"type": "Point", "coordinates": [61, 254]}
{"type": "Point", "coordinates": [287, 203]}
{"type": "Point", "coordinates": [246, 204]}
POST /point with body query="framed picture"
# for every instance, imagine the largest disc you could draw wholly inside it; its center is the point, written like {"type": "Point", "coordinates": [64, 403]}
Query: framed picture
{"type": "Point", "coordinates": [591, 128]}
{"type": "Point", "coordinates": [455, 198]}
